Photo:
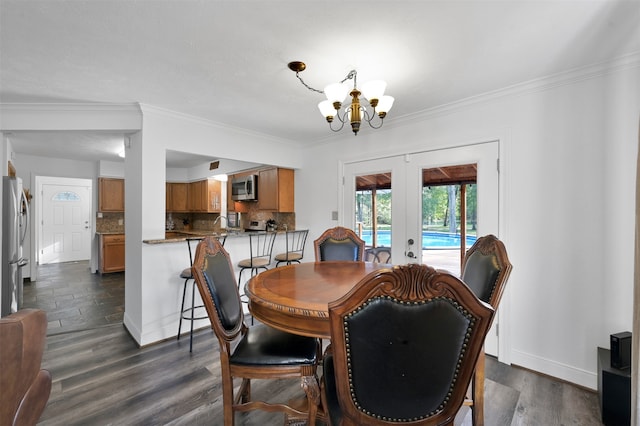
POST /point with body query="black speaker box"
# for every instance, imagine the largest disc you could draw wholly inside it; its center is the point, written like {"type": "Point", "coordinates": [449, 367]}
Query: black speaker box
{"type": "Point", "coordinates": [621, 350]}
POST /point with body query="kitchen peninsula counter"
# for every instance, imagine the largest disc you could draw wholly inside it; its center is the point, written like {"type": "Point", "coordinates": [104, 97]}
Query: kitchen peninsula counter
{"type": "Point", "coordinates": [164, 260]}
{"type": "Point", "coordinates": [178, 236]}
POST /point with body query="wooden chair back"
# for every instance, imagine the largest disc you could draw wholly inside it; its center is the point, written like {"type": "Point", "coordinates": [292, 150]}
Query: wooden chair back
{"type": "Point", "coordinates": [485, 269]}
{"type": "Point", "coordinates": [337, 244]}
{"type": "Point", "coordinates": [214, 275]}
{"type": "Point", "coordinates": [404, 347]}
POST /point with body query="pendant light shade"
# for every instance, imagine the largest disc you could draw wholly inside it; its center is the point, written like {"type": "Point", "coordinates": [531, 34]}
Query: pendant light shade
{"type": "Point", "coordinates": [373, 90]}
{"type": "Point", "coordinates": [336, 92]}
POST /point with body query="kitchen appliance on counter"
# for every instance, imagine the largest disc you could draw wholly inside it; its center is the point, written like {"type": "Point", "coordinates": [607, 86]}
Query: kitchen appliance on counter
{"type": "Point", "coordinates": [244, 188]}
{"type": "Point", "coordinates": [233, 220]}
{"type": "Point", "coordinates": [256, 225]}
{"type": "Point", "coordinates": [15, 219]}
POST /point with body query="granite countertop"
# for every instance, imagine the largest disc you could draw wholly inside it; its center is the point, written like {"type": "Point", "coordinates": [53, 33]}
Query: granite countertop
{"type": "Point", "coordinates": [109, 232]}
{"type": "Point", "coordinates": [177, 236]}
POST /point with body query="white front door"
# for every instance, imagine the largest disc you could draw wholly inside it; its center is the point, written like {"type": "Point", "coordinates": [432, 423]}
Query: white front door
{"type": "Point", "coordinates": [406, 201]}
{"type": "Point", "coordinates": [65, 234]}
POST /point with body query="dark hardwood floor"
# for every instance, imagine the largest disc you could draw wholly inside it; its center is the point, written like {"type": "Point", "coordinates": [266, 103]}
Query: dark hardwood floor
{"type": "Point", "coordinates": [74, 298]}
{"type": "Point", "coordinates": [101, 377]}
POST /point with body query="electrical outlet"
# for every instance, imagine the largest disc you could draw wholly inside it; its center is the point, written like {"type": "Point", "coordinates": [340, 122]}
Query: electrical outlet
{"type": "Point", "coordinates": [120, 222]}
{"type": "Point", "coordinates": [99, 215]}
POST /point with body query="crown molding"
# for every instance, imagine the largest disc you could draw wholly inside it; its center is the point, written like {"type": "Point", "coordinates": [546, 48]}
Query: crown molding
{"type": "Point", "coordinates": [74, 106]}
{"type": "Point", "coordinates": [572, 76]}
{"type": "Point", "coordinates": [199, 121]}
{"type": "Point", "coordinates": [70, 116]}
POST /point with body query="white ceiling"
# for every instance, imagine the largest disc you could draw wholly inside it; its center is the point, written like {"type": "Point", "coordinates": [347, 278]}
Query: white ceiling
{"type": "Point", "coordinates": [226, 61]}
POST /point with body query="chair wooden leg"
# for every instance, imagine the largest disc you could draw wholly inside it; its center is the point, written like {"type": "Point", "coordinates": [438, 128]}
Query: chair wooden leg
{"type": "Point", "coordinates": [227, 399]}
{"type": "Point", "coordinates": [477, 390]}
{"type": "Point", "coordinates": [312, 390]}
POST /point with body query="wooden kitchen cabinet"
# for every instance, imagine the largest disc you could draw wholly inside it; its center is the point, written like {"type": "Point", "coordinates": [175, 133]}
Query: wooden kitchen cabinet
{"type": "Point", "coordinates": [110, 195]}
{"type": "Point", "coordinates": [205, 196]}
{"type": "Point", "coordinates": [177, 197]}
{"type": "Point", "coordinates": [112, 253]}
{"type": "Point", "coordinates": [276, 190]}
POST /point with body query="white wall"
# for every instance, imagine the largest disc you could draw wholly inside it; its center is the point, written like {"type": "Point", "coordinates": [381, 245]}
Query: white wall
{"type": "Point", "coordinates": [568, 152]}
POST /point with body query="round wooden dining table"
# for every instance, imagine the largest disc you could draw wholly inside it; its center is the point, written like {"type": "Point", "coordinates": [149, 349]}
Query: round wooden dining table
{"type": "Point", "coordinates": [295, 298]}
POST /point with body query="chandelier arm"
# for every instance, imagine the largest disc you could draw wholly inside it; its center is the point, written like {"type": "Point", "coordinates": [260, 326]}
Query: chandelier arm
{"type": "Point", "coordinates": [340, 119]}
{"type": "Point", "coordinates": [369, 119]}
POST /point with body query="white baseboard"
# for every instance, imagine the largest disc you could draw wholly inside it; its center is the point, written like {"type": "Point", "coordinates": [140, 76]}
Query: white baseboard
{"type": "Point", "coordinates": [580, 377]}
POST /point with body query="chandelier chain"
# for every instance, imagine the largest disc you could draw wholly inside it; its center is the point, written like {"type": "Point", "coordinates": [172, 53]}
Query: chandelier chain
{"type": "Point", "coordinates": [352, 75]}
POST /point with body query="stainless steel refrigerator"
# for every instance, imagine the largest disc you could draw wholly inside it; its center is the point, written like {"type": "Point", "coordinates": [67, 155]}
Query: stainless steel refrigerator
{"type": "Point", "coordinates": [15, 219]}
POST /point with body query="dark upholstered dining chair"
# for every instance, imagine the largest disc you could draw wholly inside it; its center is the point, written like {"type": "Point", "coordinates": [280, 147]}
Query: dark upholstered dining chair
{"type": "Point", "coordinates": [485, 270]}
{"type": "Point", "coordinates": [25, 386]}
{"type": "Point", "coordinates": [404, 344]}
{"type": "Point", "coordinates": [339, 244]}
{"type": "Point", "coordinates": [258, 352]}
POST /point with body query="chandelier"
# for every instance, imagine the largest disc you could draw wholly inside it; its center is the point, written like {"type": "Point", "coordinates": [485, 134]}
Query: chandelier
{"type": "Point", "coordinates": [355, 112]}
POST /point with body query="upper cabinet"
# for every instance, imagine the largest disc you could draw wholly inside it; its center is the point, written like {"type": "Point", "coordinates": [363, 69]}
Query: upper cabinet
{"type": "Point", "coordinates": [110, 195]}
{"type": "Point", "coordinates": [177, 197]}
{"type": "Point", "coordinates": [204, 196]}
{"type": "Point", "coordinates": [275, 191]}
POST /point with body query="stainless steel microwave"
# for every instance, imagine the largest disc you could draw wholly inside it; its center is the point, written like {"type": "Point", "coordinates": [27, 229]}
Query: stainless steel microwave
{"type": "Point", "coordinates": [244, 188]}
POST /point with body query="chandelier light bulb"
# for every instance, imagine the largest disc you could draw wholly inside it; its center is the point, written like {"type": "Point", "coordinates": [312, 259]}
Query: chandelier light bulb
{"type": "Point", "coordinates": [336, 92]}
{"type": "Point", "coordinates": [327, 110]}
{"type": "Point", "coordinates": [384, 105]}
{"type": "Point", "coordinates": [373, 91]}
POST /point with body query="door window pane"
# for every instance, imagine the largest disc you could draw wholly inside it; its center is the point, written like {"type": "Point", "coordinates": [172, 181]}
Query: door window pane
{"type": "Point", "coordinates": [373, 215]}
{"type": "Point", "coordinates": [66, 196]}
{"type": "Point", "coordinates": [449, 212]}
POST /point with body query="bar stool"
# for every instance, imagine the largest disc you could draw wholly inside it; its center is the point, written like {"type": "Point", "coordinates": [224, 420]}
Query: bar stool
{"type": "Point", "coordinates": [295, 241]}
{"type": "Point", "coordinates": [260, 247]}
{"type": "Point", "coordinates": [189, 313]}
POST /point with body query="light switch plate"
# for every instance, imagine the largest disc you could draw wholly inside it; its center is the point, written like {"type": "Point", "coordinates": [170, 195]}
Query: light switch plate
{"type": "Point", "coordinates": [334, 215]}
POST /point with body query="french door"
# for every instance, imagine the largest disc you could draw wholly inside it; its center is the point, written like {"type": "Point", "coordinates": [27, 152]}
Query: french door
{"type": "Point", "coordinates": [406, 216]}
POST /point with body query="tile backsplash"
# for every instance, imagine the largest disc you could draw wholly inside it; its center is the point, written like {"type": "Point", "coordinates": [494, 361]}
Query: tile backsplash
{"type": "Point", "coordinates": [114, 222]}
{"type": "Point", "coordinates": [110, 222]}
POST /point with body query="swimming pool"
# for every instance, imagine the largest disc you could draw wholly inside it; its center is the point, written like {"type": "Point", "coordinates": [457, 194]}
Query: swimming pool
{"type": "Point", "coordinates": [430, 240]}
